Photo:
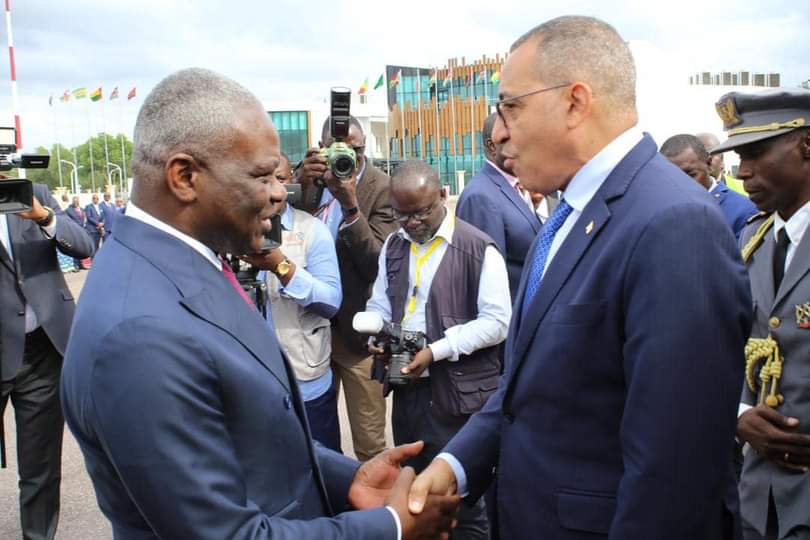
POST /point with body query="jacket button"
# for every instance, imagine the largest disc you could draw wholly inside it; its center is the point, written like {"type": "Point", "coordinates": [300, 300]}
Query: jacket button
{"type": "Point", "coordinates": [21, 313]}
{"type": "Point", "coordinates": [509, 418]}
{"type": "Point", "coordinates": [774, 322]}
{"type": "Point", "coordinates": [287, 402]}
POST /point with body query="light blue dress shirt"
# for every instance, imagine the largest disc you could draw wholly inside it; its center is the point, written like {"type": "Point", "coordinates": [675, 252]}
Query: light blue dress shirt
{"type": "Point", "coordinates": [316, 288]}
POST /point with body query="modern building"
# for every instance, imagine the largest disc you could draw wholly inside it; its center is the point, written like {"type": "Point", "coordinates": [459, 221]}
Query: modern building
{"type": "Point", "coordinates": [735, 78]}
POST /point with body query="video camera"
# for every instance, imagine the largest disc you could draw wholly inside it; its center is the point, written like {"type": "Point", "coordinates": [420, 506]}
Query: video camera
{"type": "Point", "coordinates": [401, 344]}
{"type": "Point", "coordinates": [17, 195]}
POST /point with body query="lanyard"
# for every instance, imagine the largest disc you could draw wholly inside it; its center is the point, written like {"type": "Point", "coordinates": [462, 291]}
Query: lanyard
{"type": "Point", "coordinates": [420, 262]}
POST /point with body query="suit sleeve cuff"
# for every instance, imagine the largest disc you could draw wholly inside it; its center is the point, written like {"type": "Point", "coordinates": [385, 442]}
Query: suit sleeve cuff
{"type": "Point", "coordinates": [458, 470]}
{"type": "Point", "coordinates": [396, 520]}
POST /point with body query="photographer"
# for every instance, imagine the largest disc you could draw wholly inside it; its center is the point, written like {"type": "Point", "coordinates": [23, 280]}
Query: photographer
{"type": "Point", "coordinates": [36, 311]}
{"type": "Point", "coordinates": [358, 214]}
{"type": "Point", "coordinates": [303, 284]}
{"type": "Point", "coordinates": [443, 277]}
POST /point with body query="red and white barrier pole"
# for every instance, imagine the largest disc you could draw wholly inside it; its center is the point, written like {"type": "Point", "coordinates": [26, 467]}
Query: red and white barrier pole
{"type": "Point", "coordinates": [15, 102]}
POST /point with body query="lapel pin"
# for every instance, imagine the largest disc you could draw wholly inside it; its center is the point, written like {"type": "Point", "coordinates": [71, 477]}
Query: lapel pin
{"type": "Point", "coordinates": [589, 228]}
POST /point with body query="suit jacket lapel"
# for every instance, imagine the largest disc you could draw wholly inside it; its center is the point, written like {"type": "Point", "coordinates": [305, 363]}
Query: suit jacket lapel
{"type": "Point", "coordinates": [799, 266]}
{"type": "Point", "coordinates": [762, 274]}
{"type": "Point", "coordinates": [513, 196]}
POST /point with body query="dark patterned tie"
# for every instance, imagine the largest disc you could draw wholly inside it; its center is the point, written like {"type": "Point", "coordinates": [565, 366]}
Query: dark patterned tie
{"type": "Point", "coordinates": [779, 256]}
{"type": "Point", "coordinates": [550, 229]}
{"type": "Point", "coordinates": [231, 277]}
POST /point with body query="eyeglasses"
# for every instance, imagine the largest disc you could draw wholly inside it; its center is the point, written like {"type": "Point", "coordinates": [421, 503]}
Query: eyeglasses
{"type": "Point", "coordinates": [506, 107]}
{"type": "Point", "coordinates": [419, 215]}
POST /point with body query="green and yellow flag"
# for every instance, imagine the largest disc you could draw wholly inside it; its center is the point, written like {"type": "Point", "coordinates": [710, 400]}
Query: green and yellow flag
{"type": "Point", "coordinates": [380, 82]}
{"type": "Point", "coordinates": [80, 93]}
{"type": "Point", "coordinates": [363, 87]}
{"type": "Point", "coordinates": [96, 94]}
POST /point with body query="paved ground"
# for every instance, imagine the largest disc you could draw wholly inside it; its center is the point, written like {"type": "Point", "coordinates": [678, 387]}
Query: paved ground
{"type": "Point", "coordinates": [80, 518]}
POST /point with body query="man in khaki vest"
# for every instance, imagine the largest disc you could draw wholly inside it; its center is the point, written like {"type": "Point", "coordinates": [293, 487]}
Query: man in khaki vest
{"type": "Point", "coordinates": [303, 286]}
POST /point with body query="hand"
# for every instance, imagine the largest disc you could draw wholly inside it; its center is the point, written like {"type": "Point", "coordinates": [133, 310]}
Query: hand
{"type": "Point", "coordinates": [376, 477]}
{"type": "Point", "coordinates": [437, 479]}
{"type": "Point", "coordinates": [344, 190]}
{"type": "Point", "coordinates": [268, 260]}
{"type": "Point", "coordinates": [36, 213]}
{"type": "Point", "coordinates": [434, 522]}
{"type": "Point", "coordinates": [420, 362]}
{"type": "Point", "coordinates": [775, 437]}
{"type": "Point", "coordinates": [312, 168]}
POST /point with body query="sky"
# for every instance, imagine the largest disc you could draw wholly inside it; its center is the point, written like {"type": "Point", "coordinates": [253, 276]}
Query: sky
{"type": "Point", "coordinates": [293, 51]}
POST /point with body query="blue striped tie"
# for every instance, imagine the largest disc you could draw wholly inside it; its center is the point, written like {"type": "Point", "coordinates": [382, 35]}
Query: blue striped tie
{"type": "Point", "coordinates": [550, 229]}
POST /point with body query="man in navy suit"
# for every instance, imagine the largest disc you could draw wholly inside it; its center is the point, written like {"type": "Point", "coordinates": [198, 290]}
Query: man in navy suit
{"type": "Point", "coordinates": [688, 154]}
{"type": "Point", "coordinates": [108, 212]}
{"type": "Point", "coordinates": [94, 221]}
{"type": "Point", "coordinates": [495, 204]}
{"type": "Point", "coordinates": [188, 415]}
{"type": "Point", "coordinates": [615, 416]}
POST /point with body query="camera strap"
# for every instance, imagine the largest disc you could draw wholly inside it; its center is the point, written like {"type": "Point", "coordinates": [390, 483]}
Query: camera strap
{"type": "Point", "coordinates": [420, 262]}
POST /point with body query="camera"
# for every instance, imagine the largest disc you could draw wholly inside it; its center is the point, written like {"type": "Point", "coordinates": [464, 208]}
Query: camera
{"type": "Point", "coordinates": [17, 195]}
{"type": "Point", "coordinates": [272, 240]}
{"type": "Point", "coordinates": [340, 157]}
{"type": "Point", "coordinates": [401, 344]}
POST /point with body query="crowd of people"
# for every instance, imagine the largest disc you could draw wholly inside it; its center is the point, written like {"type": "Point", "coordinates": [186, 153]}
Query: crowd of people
{"type": "Point", "coordinates": [603, 340]}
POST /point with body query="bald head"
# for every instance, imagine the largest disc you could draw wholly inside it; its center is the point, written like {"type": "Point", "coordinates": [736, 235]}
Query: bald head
{"type": "Point", "coordinates": [191, 111]}
{"type": "Point", "coordinates": [576, 48]}
{"type": "Point", "coordinates": [415, 175]}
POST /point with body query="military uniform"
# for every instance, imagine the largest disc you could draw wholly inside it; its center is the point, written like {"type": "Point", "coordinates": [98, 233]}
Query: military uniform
{"type": "Point", "coordinates": [778, 353]}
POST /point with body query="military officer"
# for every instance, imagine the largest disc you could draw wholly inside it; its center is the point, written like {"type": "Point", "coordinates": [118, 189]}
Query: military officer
{"type": "Point", "coordinates": [771, 133]}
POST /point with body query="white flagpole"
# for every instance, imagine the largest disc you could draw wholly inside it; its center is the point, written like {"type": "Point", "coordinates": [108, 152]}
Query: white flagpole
{"type": "Point", "coordinates": [90, 145]}
{"type": "Point", "coordinates": [421, 131]}
{"type": "Point", "coordinates": [402, 114]}
{"type": "Point", "coordinates": [472, 118]}
{"type": "Point", "coordinates": [123, 148]}
{"type": "Point", "coordinates": [453, 120]}
{"type": "Point", "coordinates": [106, 150]}
{"type": "Point", "coordinates": [58, 155]}
{"type": "Point", "coordinates": [436, 134]}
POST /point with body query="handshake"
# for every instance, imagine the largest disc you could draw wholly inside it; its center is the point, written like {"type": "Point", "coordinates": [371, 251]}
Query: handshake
{"type": "Point", "coordinates": [426, 505]}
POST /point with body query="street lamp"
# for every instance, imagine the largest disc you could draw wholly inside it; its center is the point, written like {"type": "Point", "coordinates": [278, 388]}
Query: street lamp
{"type": "Point", "coordinates": [74, 175]}
{"type": "Point", "coordinates": [120, 176]}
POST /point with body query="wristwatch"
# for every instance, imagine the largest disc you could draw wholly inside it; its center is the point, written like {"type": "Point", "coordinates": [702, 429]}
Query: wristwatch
{"type": "Point", "coordinates": [44, 222]}
{"type": "Point", "coordinates": [283, 268]}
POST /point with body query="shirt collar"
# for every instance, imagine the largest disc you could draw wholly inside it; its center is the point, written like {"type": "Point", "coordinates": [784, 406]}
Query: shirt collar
{"type": "Point", "coordinates": [142, 216]}
{"type": "Point", "coordinates": [715, 183]}
{"type": "Point", "coordinates": [287, 218]}
{"type": "Point", "coordinates": [587, 181]}
{"type": "Point", "coordinates": [444, 231]}
{"type": "Point", "coordinates": [513, 180]}
{"type": "Point", "coordinates": [795, 226]}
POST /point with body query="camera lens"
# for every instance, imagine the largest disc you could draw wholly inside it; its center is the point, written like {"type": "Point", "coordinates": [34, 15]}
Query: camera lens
{"type": "Point", "coordinates": [5, 197]}
{"type": "Point", "coordinates": [343, 166]}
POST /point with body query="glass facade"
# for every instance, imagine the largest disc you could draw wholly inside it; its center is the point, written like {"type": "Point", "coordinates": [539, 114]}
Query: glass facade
{"type": "Point", "coordinates": [425, 106]}
{"type": "Point", "coordinates": [293, 130]}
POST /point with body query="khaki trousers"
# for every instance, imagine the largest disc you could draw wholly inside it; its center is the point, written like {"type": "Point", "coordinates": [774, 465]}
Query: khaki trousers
{"type": "Point", "coordinates": [365, 403]}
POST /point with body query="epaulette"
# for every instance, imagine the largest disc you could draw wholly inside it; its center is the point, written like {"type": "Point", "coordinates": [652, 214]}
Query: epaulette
{"type": "Point", "coordinates": [756, 240]}
{"type": "Point", "coordinates": [758, 215]}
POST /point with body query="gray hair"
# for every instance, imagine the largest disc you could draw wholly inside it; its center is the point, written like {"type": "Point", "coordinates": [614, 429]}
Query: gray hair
{"type": "Point", "coordinates": [576, 48]}
{"type": "Point", "coordinates": [189, 111]}
{"type": "Point", "coordinates": [411, 170]}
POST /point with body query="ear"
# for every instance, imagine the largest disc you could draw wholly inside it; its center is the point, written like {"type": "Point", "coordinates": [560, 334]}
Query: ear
{"type": "Point", "coordinates": [804, 144]}
{"type": "Point", "coordinates": [580, 103]}
{"type": "Point", "coordinates": [183, 177]}
{"type": "Point", "coordinates": [489, 144]}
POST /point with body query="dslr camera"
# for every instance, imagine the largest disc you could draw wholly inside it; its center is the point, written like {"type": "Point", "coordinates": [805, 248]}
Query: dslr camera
{"type": "Point", "coordinates": [401, 344]}
{"type": "Point", "coordinates": [340, 157]}
{"type": "Point", "coordinates": [17, 195]}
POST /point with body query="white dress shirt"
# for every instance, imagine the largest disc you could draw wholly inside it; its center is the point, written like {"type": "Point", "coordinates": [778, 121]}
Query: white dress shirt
{"type": "Point", "coordinates": [31, 321]}
{"type": "Point", "coordinates": [494, 304]}
{"type": "Point", "coordinates": [581, 189]}
{"type": "Point", "coordinates": [136, 213]}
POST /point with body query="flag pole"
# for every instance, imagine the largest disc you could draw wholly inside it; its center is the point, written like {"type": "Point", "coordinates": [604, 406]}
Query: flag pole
{"type": "Point", "coordinates": [58, 156]}
{"type": "Point", "coordinates": [436, 136]}
{"type": "Point", "coordinates": [453, 120]}
{"type": "Point", "coordinates": [402, 114]}
{"type": "Point", "coordinates": [123, 148]}
{"type": "Point", "coordinates": [421, 131]}
{"type": "Point", "coordinates": [472, 118]}
{"type": "Point", "coordinates": [106, 150]}
{"type": "Point", "coordinates": [90, 145]}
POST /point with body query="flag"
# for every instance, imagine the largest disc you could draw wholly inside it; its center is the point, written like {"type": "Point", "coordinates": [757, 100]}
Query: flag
{"type": "Point", "coordinates": [380, 82]}
{"type": "Point", "coordinates": [95, 95]}
{"type": "Point", "coordinates": [418, 85]}
{"type": "Point", "coordinates": [65, 97]}
{"type": "Point", "coordinates": [482, 76]}
{"type": "Point", "coordinates": [433, 77]}
{"type": "Point", "coordinates": [396, 80]}
{"type": "Point", "coordinates": [496, 77]}
{"type": "Point", "coordinates": [448, 78]}
{"type": "Point", "coordinates": [131, 94]}
{"type": "Point", "coordinates": [363, 87]}
{"type": "Point", "coordinates": [114, 94]}
{"type": "Point", "coordinates": [50, 101]}
{"type": "Point", "coordinates": [80, 93]}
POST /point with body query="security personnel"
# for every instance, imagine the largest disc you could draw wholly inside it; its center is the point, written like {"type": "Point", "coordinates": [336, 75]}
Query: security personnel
{"type": "Point", "coordinates": [770, 132]}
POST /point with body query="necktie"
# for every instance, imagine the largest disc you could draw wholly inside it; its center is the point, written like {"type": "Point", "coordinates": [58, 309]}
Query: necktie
{"type": "Point", "coordinates": [779, 256]}
{"type": "Point", "coordinates": [550, 229]}
{"type": "Point", "coordinates": [231, 277]}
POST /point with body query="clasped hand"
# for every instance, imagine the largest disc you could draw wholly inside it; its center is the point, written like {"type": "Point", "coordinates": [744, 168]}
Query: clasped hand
{"type": "Point", "coordinates": [381, 482]}
{"type": "Point", "coordinates": [776, 437]}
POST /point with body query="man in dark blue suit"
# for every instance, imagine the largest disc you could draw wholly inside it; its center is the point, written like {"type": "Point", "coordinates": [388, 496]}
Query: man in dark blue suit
{"type": "Point", "coordinates": [189, 417]}
{"type": "Point", "coordinates": [109, 212]}
{"type": "Point", "coordinates": [94, 221]}
{"type": "Point", "coordinates": [688, 154]}
{"type": "Point", "coordinates": [495, 204]}
{"type": "Point", "coordinates": [616, 412]}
